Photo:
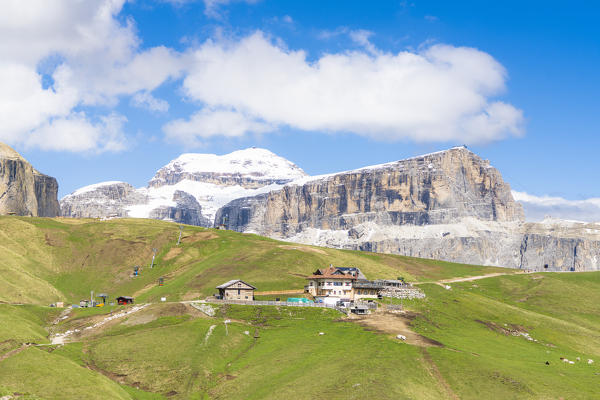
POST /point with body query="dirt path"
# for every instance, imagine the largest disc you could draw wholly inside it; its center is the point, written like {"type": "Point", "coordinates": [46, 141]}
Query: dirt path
{"type": "Point", "coordinates": [62, 338]}
{"type": "Point", "coordinates": [475, 278]}
{"type": "Point", "coordinates": [443, 282]}
{"type": "Point", "coordinates": [435, 373]}
{"type": "Point", "coordinates": [15, 351]}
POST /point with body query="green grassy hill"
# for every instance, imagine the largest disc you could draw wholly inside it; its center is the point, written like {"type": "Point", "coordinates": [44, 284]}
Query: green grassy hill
{"type": "Point", "coordinates": [499, 337]}
{"type": "Point", "coordinates": [47, 260]}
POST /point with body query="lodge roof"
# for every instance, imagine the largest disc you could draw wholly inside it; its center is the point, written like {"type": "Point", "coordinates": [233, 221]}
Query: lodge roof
{"type": "Point", "coordinates": [232, 282]}
{"type": "Point", "coordinates": [331, 273]}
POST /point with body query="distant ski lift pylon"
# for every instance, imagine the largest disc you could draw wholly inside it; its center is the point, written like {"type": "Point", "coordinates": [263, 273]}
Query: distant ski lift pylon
{"type": "Point", "coordinates": [179, 238]}
{"type": "Point", "coordinates": [153, 257]}
{"type": "Point", "coordinates": [223, 224]}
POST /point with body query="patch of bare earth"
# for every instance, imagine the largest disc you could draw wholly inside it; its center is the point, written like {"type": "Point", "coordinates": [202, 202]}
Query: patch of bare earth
{"type": "Point", "coordinates": [198, 236]}
{"type": "Point", "coordinates": [395, 324]}
{"type": "Point", "coordinates": [74, 221]}
{"type": "Point", "coordinates": [505, 330]}
{"type": "Point", "coordinates": [302, 248]}
{"type": "Point", "coordinates": [174, 252]}
{"type": "Point", "coordinates": [139, 319]}
{"type": "Point", "coordinates": [191, 296]}
{"type": "Point", "coordinates": [144, 289]}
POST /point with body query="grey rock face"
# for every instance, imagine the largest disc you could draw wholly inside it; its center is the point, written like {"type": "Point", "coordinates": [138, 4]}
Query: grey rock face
{"type": "Point", "coordinates": [450, 205]}
{"type": "Point", "coordinates": [46, 193]}
{"type": "Point", "coordinates": [433, 189]}
{"type": "Point", "coordinates": [23, 190]}
{"type": "Point", "coordinates": [187, 211]}
{"type": "Point", "coordinates": [540, 252]}
{"type": "Point", "coordinates": [117, 198]}
{"type": "Point", "coordinates": [172, 177]}
{"type": "Point", "coordinates": [101, 201]}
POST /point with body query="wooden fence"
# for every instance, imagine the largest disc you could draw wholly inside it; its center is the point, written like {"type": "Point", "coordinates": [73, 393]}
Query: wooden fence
{"type": "Point", "coordinates": [275, 303]}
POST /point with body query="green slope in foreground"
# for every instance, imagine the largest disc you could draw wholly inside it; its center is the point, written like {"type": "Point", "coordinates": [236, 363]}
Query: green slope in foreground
{"type": "Point", "coordinates": [489, 338]}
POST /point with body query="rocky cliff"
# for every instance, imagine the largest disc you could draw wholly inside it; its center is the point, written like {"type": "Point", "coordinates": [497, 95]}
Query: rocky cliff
{"type": "Point", "coordinates": [450, 205]}
{"type": "Point", "coordinates": [190, 189]}
{"type": "Point", "coordinates": [438, 188]}
{"type": "Point", "coordinates": [23, 190]}
{"type": "Point", "coordinates": [101, 200]}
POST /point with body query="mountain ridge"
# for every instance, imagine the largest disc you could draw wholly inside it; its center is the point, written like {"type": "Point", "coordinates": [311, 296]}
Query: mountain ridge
{"type": "Point", "coordinates": [450, 205]}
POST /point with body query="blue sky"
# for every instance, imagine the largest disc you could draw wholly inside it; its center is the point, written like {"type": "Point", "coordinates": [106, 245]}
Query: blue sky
{"type": "Point", "coordinates": [153, 79]}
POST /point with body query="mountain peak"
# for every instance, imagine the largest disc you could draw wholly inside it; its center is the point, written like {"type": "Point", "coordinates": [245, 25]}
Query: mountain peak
{"type": "Point", "coordinates": [252, 163]}
{"type": "Point", "coordinates": [8, 152]}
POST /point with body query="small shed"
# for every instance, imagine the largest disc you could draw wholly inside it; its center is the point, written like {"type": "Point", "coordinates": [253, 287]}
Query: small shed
{"type": "Point", "coordinates": [123, 300]}
{"type": "Point", "coordinates": [103, 296]}
{"type": "Point", "coordinates": [360, 309]}
{"type": "Point", "coordinates": [236, 289]}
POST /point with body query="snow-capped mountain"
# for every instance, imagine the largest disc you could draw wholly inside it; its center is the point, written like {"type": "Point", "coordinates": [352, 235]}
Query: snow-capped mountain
{"type": "Point", "coordinates": [249, 168]}
{"type": "Point", "coordinates": [190, 189]}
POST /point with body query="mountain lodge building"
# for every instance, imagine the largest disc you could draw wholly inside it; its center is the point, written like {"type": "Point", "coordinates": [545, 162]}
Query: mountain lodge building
{"type": "Point", "coordinates": [236, 290]}
{"type": "Point", "coordinates": [341, 284]}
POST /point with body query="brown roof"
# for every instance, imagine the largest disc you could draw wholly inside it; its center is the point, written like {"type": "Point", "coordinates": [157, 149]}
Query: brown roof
{"type": "Point", "coordinates": [330, 273]}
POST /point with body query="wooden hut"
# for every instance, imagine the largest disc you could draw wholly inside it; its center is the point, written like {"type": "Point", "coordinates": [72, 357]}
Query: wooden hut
{"type": "Point", "coordinates": [123, 300]}
{"type": "Point", "coordinates": [236, 290]}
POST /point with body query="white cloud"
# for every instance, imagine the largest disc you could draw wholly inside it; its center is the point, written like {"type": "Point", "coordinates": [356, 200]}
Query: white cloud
{"type": "Point", "coordinates": [95, 60]}
{"type": "Point", "coordinates": [76, 133]}
{"type": "Point", "coordinates": [25, 105]}
{"type": "Point", "coordinates": [213, 8]}
{"type": "Point", "coordinates": [538, 207]}
{"type": "Point", "coordinates": [442, 93]}
{"type": "Point", "coordinates": [361, 37]}
{"type": "Point", "coordinates": [61, 56]}
{"type": "Point", "coordinates": [213, 122]}
{"type": "Point", "coordinates": [149, 102]}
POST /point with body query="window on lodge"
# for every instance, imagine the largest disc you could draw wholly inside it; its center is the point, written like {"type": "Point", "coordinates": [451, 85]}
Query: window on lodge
{"type": "Point", "coordinates": [337, 283]}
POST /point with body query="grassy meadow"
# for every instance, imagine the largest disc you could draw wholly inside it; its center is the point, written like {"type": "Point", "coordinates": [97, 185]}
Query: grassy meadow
{"type": "Point", "coordinates": [499, 337]}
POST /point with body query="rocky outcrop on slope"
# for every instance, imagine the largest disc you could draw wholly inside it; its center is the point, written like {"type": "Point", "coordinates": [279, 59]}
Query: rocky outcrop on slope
{"type": "Point", "coordinates": [531, 246]}
{"type": "Point", "coordinates": [450, 205]}
{"type": "Point", "coordinates": [23, 190]}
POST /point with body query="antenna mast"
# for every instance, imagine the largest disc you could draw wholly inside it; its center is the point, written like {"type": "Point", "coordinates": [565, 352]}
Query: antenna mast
{"type": "Point", "coordinates": [180, 230]}
{"type": "Point", "coordinates": [153, 256]}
